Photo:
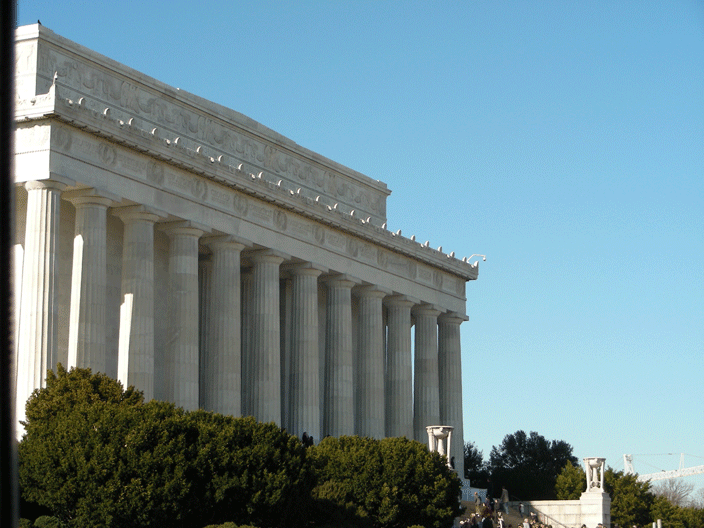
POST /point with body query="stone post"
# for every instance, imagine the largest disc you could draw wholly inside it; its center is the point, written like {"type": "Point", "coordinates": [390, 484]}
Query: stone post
{"type": "Point", "coordinates": [338, 414]}
{"type": "Point", "coordinates": [426, 401]}
{"type": "Point", "coordinates": [38, 327]}
{"type": "Point", "coordinates": [369, 372]}
{"type": "Point", "coordinates": [86, 336]}
{"type": "Point", "coordinates": [304, 409]}
{"type": "Point", "coordinates": [399, 368]}
{"type": "Point", "coordinates": [181, 378]}
{"type": "Point", "coordinates": [221, 362]}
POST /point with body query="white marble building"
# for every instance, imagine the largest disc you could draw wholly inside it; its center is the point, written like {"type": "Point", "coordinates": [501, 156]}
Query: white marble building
{"type": "Point", "coordinates": [186, 249]}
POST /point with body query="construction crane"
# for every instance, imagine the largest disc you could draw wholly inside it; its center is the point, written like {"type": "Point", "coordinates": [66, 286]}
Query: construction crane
{"type": "Point", "coordinates": [662, 475]}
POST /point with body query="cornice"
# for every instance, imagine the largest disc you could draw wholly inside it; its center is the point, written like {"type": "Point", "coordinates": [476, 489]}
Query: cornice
{"type": "Point", "coordinates": [194, 160]}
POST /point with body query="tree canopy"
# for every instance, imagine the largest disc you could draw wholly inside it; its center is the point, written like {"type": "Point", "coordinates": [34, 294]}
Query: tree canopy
{"type": "Point", "coordinates": [571, 482]}
{"type": "Point", "coordinates": [528, 465]}
{"type": "Point", "coordinates": [631, 500]}
{"type": "Point", "coordinates": [475, 469]}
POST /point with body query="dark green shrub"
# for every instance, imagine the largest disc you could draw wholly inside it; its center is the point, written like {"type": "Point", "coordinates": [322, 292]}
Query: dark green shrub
{"type": "Point", "coordinates": [388, 483]}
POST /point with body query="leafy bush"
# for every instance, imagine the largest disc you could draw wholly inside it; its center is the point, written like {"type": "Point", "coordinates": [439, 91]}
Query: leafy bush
{"type": "Point", "coordinates": [388, 483]}
{"type": "Point", "coordinates": [96, 455]}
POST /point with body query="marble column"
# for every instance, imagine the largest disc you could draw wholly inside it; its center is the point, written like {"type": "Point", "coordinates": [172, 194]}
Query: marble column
{"type": "Point", "coordinates": [338, 406]}
{"type": "Point", "coordinates": [181, 376]}
{"type": "Point", "coordinates": [399, 367]}
{"type": "Point", "coordinates": [304, 410]}
{"type": "Point", "coordinates": [221, 362]}
{"type": "Point", "coordinates": [135, 364]}
{"type": "Point", "coordinates": [369, 371]}
{"type": "Point", "coordinates": [450, 374]}
{"type": "Point", "coordinates": [426, 404]}
{"type": "Point", "coordinates": [87, 322]}
{"type": "Point", "coordinates": [38, 329]}
{"type": "Point", "coordinates": [266, 337]}
{"type": "Point", "coordinates": [246, 347]}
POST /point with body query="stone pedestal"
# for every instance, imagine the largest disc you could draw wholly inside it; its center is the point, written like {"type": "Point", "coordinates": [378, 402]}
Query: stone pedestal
{"type": "Point", "coordinates": [595, 508]}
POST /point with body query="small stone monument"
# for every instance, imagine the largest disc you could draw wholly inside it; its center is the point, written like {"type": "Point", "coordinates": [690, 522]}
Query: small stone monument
{"type": "Point", "coordinates": [595, 503]}
{"type": "Point", "coordinates": [440, 440]}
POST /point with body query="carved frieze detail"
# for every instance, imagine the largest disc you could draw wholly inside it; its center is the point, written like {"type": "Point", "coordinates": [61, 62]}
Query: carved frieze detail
{"type": "Point", "coordinates": [280, 220]}
{"type": "Point", "coordinates": [61, 138]}
{"type": "Point", "coordinates": [127, 98]}
{"type": "Point", "coordinates": [155, 173]}
{"type": "Point", "coordinates": [240, 204]}
{"type": "Point", "coordinates": [319, 234]}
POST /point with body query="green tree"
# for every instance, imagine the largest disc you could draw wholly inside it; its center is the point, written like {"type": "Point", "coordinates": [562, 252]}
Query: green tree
{"type": "Point", "coordinates": [631, 500]}
{"type": "Point", "coordinates": [528, 465]}
{"type": "Point", "coordinates": [475, 468]}
{"type": "Point", "coordinates": [393, 482]}
{"type": "Point", "coordinates": [571, 482]}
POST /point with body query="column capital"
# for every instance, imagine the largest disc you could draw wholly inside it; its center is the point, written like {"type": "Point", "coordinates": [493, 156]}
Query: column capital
{"type": "Point", "coordinates": [401, 301]}
{"type": "Point", "coordinates": [305, 268]}
{"type": "Point", "coordinates": [453, 318]}
{"type": "Point", "coordinates": [129, 213]}
{"type": "Point", "coordinates": [427, 309]}
{"type": "Point", "coordinates": [271, 255]}
{"type": "Point", "coordinates": [371, 290]}
{"type": "Point", "coordinates": [57, 183]}
{"type": "Point", "coordinates": [89, 196]}
{"type": "Point", "coordinates": [341, 279]}
{"type": "Point", "coordinates": [183, 227]}
{"type": "Point", "coordinates": [227, 241]}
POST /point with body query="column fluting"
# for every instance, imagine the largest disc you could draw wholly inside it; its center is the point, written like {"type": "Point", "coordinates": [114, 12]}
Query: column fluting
{"type": "Point", "coordinates": [266, 337]}
{"type": "Point", "coordinates": [222, 362]}
{"type": "Point", "coordinates": [369, 371]}
{"type": "Point", "coordinates": [338, 400]}
{"type": "Point", "coordinates": [38, 329]}
{"type": "Point", "coordinates": [426, 400]}
{"type": "Point", "coordinates": [87, 322]}
{"type": "Point", "coordinates": [181, 379]}
{"type": "Point", "coordinates": [399, 368]}
{"type": "Point", "coordinates": [136, 338]}
{"type": "Point", "coordinates": [305, 364]}
{"type": "Point", "coordinates": [450, 374]}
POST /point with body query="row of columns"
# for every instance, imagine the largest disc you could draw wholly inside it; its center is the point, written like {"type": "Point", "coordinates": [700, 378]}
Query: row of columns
{"type": "Point", "coordinates": [368, 391]}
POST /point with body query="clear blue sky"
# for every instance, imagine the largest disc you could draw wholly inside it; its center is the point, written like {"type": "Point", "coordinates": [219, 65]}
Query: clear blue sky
{"type": "Point", "coordinates": [564, 140]}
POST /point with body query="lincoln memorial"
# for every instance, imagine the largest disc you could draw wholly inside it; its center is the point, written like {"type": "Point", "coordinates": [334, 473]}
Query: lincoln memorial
{"type": "Point", "coordinates": [190, 251]}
